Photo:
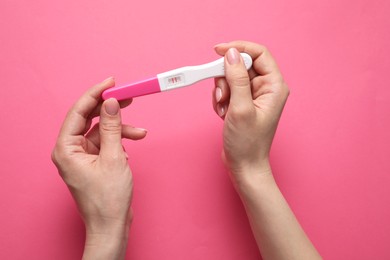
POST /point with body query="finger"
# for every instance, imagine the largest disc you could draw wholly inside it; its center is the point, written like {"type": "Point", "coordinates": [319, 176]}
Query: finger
{"type": "Point", "coordinates": [222, 90]}
{"type": "Point", "coordinates": [96, 112]}
{"type": "Point", "coordinates": [222, 48]}
{"type": "Point", "coordinates": [122, 103]}
{"type": "Point", "coordinates": [219, 107]}
{"type": "Point", "coordinates": [262, 85]}
{"type": "Point", "coordinates": [93, 136]}
{"type": "Point", "coordinates": [238, 80]}
{"type": "Point", "coordinates": [77, 118]}
{"type": "Point", "coordinates": [126, 154]}
{"type": "Point", "coordinates": [110, 129]}
{"type": "Point", "coordinates": [91, 148]}
{"type": "Point", "coordinates": [128, 132]}
{"type": "Point", "coordinates": [221, 95]}
{"type": "Point", "coordinates": [133, 133]}
{"type": "Point", "coordinates": [213, 100]}
{"type": "Point", "coordinates": [263, 62]}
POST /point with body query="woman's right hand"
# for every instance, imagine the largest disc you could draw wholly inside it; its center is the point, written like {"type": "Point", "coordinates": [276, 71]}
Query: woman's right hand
{"type": "Point", "coordinates": [251, 103]}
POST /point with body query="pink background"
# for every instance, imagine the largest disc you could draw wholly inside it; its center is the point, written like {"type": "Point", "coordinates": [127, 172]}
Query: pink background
{"type": "Point", "coordinates": [330, 155]}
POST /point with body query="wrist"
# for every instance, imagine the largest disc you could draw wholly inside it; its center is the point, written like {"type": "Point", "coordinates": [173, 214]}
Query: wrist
{"type": "Point", "coordinates": [107, 241]}
{"type": "Point", "coordinates": [107, 225]}
{"type": "Point", "coordinates": [253, 178]}
{"type": "Point", "coordinates": [244, 172]}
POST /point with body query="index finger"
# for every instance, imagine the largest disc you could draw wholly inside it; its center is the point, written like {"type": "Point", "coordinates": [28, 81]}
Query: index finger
{"type": "Point", "coordinates": [77, 117]}
{"type": "Point", "coordinates": [263, 62]}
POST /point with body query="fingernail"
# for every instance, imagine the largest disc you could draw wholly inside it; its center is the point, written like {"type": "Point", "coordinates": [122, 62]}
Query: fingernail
{"type": "Point", "coordinates": [111, 106]}
{"type": "Point", "coordinates": [142, 129]}
{"type": "Point", "coordinates": [219, 44]}
{"type": "Point", "coordinates": [109, 78]}
{"type": "Point", "coordinates": [221, 110]}
{"type": "Point", "coordinates": [218, 94]}
{"type": "Point", "coordinates": [233, 56]}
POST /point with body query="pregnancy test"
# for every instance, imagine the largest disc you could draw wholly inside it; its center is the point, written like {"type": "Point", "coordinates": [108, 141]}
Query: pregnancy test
{"type": "Point", "coordinates": [172, 79]}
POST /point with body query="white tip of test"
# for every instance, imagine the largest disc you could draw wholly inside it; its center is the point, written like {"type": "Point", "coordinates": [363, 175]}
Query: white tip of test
{"type": "Point", "coordinates": [247, 60]}
{"type": "Point", "coordinates": [189, 75]}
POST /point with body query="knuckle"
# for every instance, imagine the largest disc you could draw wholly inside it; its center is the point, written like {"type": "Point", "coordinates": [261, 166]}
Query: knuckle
{"type": "Point", "coordinates": [54, 156]}
{"type": "Point", "coordinates": [284, 90]}
{"type": "Point", "coordinates": [59, 157]}
{"type": "Point", "coordinates": [117, 159]}
{"type": "Point", "coordinates": [261, 47]}
{"type": "Point", "coordinates": [240, 112]}
{"type": "Point", "coordinates": [239, 80]}
{"type": "Point", "coordinates": [110, 127]}
{"type": "Point", "coordinates": [264, 48]}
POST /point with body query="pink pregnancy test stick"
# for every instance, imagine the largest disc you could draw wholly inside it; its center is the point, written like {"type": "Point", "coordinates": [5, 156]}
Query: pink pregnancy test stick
{"type": "Point", "coordinates": [173, 79]}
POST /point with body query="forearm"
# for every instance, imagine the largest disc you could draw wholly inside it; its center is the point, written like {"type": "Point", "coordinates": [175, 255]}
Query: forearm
{"type": "Point", "coordinates": [109, 243]}
{"type": "Point", "coordinates": [277, 232]}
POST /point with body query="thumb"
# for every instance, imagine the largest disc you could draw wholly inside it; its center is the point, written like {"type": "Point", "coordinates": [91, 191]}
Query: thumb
{"type": "Point", "coordinates": [110, 129]}
{"type": "Point", "coordinates": [238, 80]}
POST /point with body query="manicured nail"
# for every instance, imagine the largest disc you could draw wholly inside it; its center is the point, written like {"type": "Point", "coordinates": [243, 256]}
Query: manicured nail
{"type": "Point", "coordinates": [142, 129]}
{"type": "Point", "coordinates": [221, 110]}
{"type": "Point", "coordinates": [109, 78]}
{"type": "Point", "coordinates": [219, 44]}
{"type": "Point", "coordinates": [233, 56]}
{"type": "Point", "coordinates": [111, 106]}
{"type": "Point", "coordinates": [218, 94]}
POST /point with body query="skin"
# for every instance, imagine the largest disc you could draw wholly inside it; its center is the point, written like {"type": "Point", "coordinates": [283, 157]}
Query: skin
{"type": "Point", "coordinates": [93, 163]}
{"type": "Point", "coordinates": [251, 103]}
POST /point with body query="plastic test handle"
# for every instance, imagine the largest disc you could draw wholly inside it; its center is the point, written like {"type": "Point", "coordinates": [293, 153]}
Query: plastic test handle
{"type": "Point", "coordinates": [172, 79]}
{"type": "Point", "coordinates": [140, 88]}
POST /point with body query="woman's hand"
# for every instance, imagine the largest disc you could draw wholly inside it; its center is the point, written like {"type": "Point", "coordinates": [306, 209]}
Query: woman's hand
{"type": "Point", "coordinates": [93, 164]}
{"type": "Point", "coordinates": [251, 103]}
